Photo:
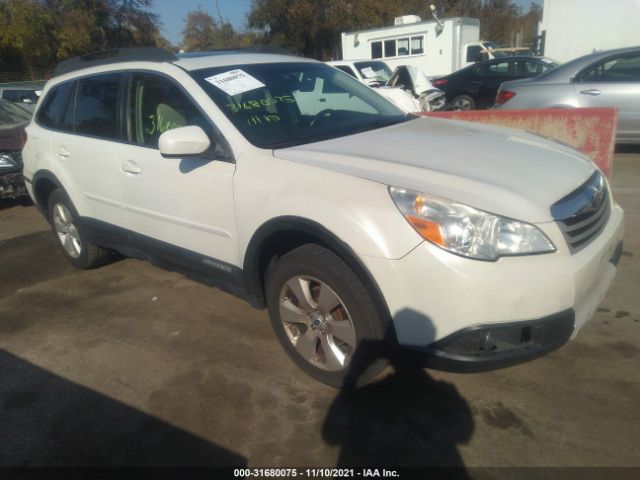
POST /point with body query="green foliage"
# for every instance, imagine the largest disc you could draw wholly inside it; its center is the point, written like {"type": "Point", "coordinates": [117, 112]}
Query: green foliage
{"type": "Point", "coordinates": [203, 32]}
{"type": "Point", "coordinates": [36, 34]}
{"type": "Point", "coordinates": [312, 27]}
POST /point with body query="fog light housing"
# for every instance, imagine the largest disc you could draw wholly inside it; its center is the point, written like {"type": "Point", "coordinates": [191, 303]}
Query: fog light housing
{"type": "Point", "coordinates": [491, 341]}
{"type": "Point", "coordinates": [481, 342]}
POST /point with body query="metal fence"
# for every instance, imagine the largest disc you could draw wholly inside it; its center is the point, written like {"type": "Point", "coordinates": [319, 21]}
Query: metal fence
{"type": "Point", "coordinates": [6, 77]}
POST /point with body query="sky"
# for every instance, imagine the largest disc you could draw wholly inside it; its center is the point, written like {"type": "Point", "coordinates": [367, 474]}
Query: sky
{"type": "Point", "coordinates": [173, 13]}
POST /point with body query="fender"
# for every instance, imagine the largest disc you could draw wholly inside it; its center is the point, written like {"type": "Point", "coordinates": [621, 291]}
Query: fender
{"type": "Point", "coordinates": [37, 177]}
{"type": "Point", "coordinates": [254, 262]}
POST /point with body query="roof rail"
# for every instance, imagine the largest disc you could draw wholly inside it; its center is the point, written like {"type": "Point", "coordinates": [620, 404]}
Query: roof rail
{"type": "Point", "coordinates": [105, 57]}
{"type": "Point", "coordinates": [253, 49]}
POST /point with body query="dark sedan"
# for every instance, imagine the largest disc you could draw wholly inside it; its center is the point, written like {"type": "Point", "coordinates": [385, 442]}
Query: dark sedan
{"type": "Point", "coordinates": [13, 119]}
{"type": "Point", "coordinates": [476, 85]}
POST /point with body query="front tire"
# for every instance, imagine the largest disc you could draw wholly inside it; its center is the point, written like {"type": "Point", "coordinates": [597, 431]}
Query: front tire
{"type": "Point", "coordinates": [71, 236]}
{"type": "Point", "coordinates": [324, 317]}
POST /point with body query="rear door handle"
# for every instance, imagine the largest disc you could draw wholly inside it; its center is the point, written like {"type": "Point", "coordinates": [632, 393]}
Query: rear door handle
{"type": "Point", "coordinates": [130, 167]}
{"type": "Point", "coordinates": [592, 91]}
{"type": "Point", "coordinates": [63, 152]}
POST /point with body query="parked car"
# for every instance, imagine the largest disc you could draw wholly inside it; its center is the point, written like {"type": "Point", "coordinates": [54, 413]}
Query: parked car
{"type": "Point", "coordinates": [406, 86]}
{"type": "Point", "coordinates": [374, 73]}
{"type": "Point", "coordinates": [13, 120]}
{"type": "Point", "coordinates": [360, 228]}
{"type": "Point", "coordinates": [25, 95]}
{"type": "Point", "coordinates": [603, 79]}
{"type": "Point", "coordinates": [476, 86]}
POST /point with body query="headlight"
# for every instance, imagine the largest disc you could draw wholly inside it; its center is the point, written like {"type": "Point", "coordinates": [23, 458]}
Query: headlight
{"type": "Point", "coordinates": [467, 231]}
{"type": "Point", "coordinates": [6, 161]}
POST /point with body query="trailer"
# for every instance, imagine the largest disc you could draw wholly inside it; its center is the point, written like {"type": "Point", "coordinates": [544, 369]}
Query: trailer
{"type": "Point", "coordinates": [572, 28]}
{"type": "Point", "coordinates": [437, 47]}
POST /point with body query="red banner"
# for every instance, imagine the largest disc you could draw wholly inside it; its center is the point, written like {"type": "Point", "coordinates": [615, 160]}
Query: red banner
{"type": "Point", "coordinates": [592, 131]}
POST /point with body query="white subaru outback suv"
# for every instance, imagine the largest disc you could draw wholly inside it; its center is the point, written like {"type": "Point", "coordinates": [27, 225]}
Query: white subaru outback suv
{"type": "Point", "coordinates": [473, 247]}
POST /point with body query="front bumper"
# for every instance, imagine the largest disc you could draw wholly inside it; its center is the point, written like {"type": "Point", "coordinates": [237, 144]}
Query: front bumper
{"type": "Point", "coordinates": [488, 347]}
{"type": "Point", "coordinates": [12, 185]}
{"type": "Point", "coordinates": [435, 297]}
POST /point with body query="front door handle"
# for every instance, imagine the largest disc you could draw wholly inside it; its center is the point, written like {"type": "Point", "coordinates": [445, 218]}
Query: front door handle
{"type": "Point", "coordinates": [592, 91]}
{"type": "Point", "coordinates": [130, 167]}
{"type": "Point", "coordinates": [63, 152]}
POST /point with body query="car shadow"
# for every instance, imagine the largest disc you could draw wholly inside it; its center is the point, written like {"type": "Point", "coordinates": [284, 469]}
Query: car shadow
{"type": "Point", "coordinates": [48, 421]}
{"type": "Point", "coordinates": [407, 418]}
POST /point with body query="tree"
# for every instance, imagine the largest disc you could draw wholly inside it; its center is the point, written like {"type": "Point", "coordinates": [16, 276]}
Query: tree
{"type": "Point", "coordinates": [312, 27]}
{"type": "Point", "coordinates": [203, 32]}
{"type": "Point", "coordinates": [42, 32]}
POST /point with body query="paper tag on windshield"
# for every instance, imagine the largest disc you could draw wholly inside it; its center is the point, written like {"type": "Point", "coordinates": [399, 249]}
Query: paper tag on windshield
{"type": "Point", "coordinates": [235, 82]}
{"type": "Point", "coordinates": [368, 72]}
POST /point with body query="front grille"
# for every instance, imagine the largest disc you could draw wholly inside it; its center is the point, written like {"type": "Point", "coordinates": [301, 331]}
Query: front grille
{"type": "Point", "coordinates": [583, 214]}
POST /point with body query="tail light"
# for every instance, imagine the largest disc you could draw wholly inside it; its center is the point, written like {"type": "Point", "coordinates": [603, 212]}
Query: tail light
{"type": "Point", "coordinates": [23, 139]}
{"type": "Point", "coordinates": [504, 96]}
{"type": "Point", "coordinates": [439, 82]}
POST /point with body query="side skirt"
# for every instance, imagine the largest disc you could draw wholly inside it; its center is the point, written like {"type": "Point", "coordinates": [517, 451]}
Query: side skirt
{"type": "Point", "coordinates": [200, 268]}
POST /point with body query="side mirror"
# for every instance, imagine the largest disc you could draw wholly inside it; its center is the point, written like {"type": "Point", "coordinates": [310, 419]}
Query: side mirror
{"type": "Point", "coordinates": [183, 142]}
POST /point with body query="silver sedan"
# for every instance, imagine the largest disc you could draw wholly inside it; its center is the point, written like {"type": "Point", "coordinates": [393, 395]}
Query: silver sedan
{"type": "Point", "coordinates": [603, 79]}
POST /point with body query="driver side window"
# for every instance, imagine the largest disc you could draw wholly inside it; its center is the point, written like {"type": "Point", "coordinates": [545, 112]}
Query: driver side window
{"type": "Point", "coordinates": [157, 105]}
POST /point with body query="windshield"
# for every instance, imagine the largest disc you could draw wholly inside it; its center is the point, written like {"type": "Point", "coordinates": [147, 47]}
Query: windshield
{"type": "Point", "coordinates": [375, 71]}
{"type": "Point", "coordinates": [275, 105]}
{"type": "Point", "coordinates": [11, 114]}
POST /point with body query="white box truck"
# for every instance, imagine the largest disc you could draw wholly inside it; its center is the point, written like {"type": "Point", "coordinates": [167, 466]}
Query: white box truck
{"type": "Point", "coordinates": [572, 28]}
{"type": "Point", "coordinates": [437, 47]}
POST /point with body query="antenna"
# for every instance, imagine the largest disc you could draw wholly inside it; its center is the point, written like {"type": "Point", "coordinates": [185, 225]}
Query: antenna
{"type": "Point", "coordinates": [434, 14]}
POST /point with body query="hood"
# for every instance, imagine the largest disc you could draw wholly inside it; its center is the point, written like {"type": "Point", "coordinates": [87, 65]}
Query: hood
{"type": "Point", "coordinates": [496, 169]}
{"type": "Point", "coordinates": [12, 136]}
{"type": "Point", "coordinates": [421, 82]}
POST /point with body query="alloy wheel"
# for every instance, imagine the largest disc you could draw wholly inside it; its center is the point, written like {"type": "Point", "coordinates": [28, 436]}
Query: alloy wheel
{"type": "Point", "coordinates": [317, 323]}
{"type": "Point", "coordinates": [66, 230]}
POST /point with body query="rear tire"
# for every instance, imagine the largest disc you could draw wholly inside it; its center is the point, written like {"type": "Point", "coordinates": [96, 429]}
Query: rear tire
{"type": "Point", "coordinates": [462, 103]}
{"type": "Point", "coordinates": [71, 235]}
{"type": "Point", "coordinates": [324, 317]}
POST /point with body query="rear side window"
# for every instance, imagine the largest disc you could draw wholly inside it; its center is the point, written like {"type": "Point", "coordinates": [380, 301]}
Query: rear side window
{"type": "Point", "coordinates": [57, 109]}
{"type": "Point", "coordinates": [97, 106]}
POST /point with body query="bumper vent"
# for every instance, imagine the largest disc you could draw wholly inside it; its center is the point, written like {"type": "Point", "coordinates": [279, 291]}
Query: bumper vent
{"type": "Point", "coordinates": [583, 214]}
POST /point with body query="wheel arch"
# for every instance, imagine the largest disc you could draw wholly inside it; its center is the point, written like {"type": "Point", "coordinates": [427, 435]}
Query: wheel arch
{"type": "Point", "coordinates": [280, 235]}
{"type": "Point", "coordinates": [44, 183]}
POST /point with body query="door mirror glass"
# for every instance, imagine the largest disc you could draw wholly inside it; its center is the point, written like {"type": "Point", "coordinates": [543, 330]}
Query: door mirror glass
{"type": "Point", "coordinates": [183, 142]}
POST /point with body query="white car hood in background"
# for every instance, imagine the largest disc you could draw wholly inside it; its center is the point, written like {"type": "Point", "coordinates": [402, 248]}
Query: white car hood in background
{"type": "Point", "coordinates": [495, 169]}
{"type": "Point", "coordinates": [421, 82]}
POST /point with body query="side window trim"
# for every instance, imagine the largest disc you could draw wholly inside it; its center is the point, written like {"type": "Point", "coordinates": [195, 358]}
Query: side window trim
{"type": "Point", "coordinates": [214, 132]}
{"type": "Point", "coordinates": [217, 134]}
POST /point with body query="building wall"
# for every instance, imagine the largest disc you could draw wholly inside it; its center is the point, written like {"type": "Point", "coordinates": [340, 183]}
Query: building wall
{"type": "Point", "coordinates": [578, 27]}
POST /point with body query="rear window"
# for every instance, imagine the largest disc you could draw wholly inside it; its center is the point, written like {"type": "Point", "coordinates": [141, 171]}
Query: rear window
{"type": "Point", "coordinates": [57, 108]}
{"type": "Point", "coordinates": [97, 106]}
